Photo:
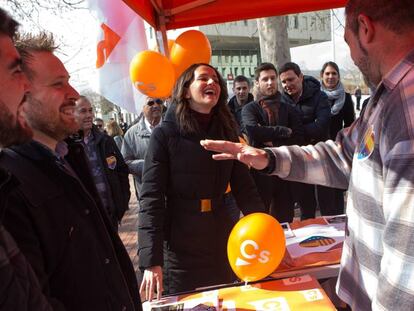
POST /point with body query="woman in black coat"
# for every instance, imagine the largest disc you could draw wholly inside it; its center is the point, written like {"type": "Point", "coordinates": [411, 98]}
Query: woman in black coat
{"type": "Point", "coordinates": [330, 200]}
{"type": "Point", "coordinates": [183, 225]}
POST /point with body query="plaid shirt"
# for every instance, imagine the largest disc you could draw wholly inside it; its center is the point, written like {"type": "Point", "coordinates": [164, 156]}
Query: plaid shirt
{"type": "Point", "coordinates": [377, 265]}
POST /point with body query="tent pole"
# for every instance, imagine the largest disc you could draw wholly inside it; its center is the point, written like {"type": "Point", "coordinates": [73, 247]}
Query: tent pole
{"type": "Point", "coordinates": [161, 31]}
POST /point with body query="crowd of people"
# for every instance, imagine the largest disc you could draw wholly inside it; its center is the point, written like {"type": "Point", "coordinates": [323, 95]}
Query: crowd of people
{"type": "Point", "coordinates": [295, 144]}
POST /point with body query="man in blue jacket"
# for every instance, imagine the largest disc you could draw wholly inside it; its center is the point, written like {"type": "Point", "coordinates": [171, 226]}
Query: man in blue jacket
{"type": "Point", "coordinates": [305, 95]}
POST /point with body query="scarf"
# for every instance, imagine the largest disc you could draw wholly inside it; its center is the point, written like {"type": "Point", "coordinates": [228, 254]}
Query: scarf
{"type": "Point", "coordinates": [336, 97]}
{"type": "Point", "coordinates": [271, 106]}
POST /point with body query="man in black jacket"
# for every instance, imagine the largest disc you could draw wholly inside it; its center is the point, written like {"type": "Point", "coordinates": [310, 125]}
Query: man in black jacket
{"type": "Point", "coordinates": [242, 96]}
{"type": "Point", "coordinates": [19, 287]}
{"type": "Point", "coordinates": [304, 94]}
{"type": "Point", "coordinates": [108, 168]}
{"type": "Point", "coordinates": [270, 122]}
{"type": "Point", "coordinates": [57, 217]}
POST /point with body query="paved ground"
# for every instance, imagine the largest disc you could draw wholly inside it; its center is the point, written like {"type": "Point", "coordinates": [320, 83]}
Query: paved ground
{"type": "Point", "coordinates": [128, 228]}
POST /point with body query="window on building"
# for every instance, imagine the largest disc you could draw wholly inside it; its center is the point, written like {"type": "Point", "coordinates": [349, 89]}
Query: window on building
{"type": "Point", "coordinates": [322, 24]}
{"type": "Point", "coordinates": [313, 23]}
{"type": "Point", "coordinates": [305, 22]}
{"type": "Point", "coordinates": [296, 22]}
{"type": "Point", "coordinates": [245, 22]}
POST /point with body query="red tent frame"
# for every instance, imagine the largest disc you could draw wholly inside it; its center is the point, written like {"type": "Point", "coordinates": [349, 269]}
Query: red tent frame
{"type": "Point", "coordinates": [172, 14]}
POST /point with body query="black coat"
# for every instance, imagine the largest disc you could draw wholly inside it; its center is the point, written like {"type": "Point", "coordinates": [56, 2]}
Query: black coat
{"type": "Point", "coordinates": [344, 118]}
{"type": "Point", "coordinates": [116, 173]}
{"type": "Point", "coordinates": [19, 288]}
{"type": "Point", "coordinates": [178, 174]}
{"type": "Point", "coordinates": [259, 131]}
{"type": "Point", "coordinates": [314, 110]}
{"type": "Point", "coordinates": [236, 109]}
{"type": "Point", "coordinates": [62, 229]}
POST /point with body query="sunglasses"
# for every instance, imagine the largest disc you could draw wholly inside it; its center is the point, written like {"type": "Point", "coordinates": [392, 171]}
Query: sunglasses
{"type": "Point", "coordinates": [155, 101]}
{"type": "Point", "coordinates": [99, 126]}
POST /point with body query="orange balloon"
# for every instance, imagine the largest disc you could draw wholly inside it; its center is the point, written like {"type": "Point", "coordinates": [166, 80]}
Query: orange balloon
{"type": "Point", "coordinates": [152, 74]}
{"type": "Point", "coordinates": [170, 45]}
{"type": "Point", "coordinates": [256, 246]}
{"type": "Point", "coordinates": [190, 47]}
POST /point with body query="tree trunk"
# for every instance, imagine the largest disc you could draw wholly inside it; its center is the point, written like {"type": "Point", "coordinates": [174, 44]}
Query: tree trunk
{"type": "Point", "coordinates": [274, 41]}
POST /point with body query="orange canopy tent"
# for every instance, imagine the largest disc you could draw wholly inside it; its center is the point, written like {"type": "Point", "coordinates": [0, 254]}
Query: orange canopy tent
{"type": "Point", "coordinates": [173, 14]}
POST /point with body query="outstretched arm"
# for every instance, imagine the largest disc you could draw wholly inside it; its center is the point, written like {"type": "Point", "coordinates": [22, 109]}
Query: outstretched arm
{"type": "Point", "coordinates": [254, 157]}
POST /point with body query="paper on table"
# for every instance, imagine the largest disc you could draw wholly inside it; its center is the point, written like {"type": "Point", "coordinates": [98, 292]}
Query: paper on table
{"type": "Point", "coordinates": [316, 238]}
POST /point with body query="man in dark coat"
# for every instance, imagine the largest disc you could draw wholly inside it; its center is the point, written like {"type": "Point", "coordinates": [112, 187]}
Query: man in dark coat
{"type": "Point", "coordinates": [304, 94]}
{"type": "Point", "coordinates": [19, 287]}
{"type": "Point", "coordinates": [57, 217]}
{"type": "Point", "coordinates": [108, 168]}
{"type": "Point", "coordinates": [242, 96]}
{"type": "Point", "coordinates": [270, 122]}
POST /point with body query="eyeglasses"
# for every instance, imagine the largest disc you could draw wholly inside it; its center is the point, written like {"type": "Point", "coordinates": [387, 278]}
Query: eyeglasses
{"type": "Point", "coordinates": [99, 126]}
{"type": "Point", "coordinates": [155, 101]}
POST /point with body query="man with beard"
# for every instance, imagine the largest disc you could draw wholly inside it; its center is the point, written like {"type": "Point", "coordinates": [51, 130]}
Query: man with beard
{"type": "Point", "coordinates": [108, 168]}
{"type": "Point", "coordinates": [136, 139]}
{"type": "Point", "coordinates": [57, 217]}
{"type": "Point", "coordinates": [375, 156]}
{"type": "Point", "coordinates": [269, 121]}
{"type": "Point", "coordinates": [19, 287]}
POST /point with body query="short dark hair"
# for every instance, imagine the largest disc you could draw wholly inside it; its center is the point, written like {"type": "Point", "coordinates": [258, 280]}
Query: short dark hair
{"type": "Point", "coordinates": [330, 64]}
{"type": "Point", "coordinates": [263, 67]}
{"type": "Point", "coordinates": [291, 66]}
{"type": "Point", "coordinates": [8, 26]}
{"type": "Point", "coordinates": [28, 43]}
{"type": "Point", "coordinates": [241, 78]}
{"type": "Point", "coordinates": [396, 15]}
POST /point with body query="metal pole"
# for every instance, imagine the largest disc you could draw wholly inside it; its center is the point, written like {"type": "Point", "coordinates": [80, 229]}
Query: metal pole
{"type": "Point", "coordinates": [333, 35]}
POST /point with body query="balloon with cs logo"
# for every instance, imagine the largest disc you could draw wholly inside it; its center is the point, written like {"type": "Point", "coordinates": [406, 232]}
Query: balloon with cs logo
{"type": "Point", "coordinates": [256, 246]}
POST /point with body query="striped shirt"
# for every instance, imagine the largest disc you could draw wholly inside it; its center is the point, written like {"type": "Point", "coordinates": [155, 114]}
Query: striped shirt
{"type": "Point", "coordinates": [375, 156]}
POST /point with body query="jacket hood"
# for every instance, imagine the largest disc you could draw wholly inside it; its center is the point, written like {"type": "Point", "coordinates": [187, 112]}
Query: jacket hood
{"type": "Point", "coordinates": [310, 86]}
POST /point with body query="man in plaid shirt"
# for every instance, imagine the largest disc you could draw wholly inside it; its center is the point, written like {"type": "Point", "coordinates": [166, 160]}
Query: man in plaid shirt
{"type": "Point", "coordinates": [374, 157]}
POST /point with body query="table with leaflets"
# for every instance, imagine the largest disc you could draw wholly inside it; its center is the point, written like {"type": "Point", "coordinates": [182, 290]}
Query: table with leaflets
{"type": "Point", "coordinates": [313, 246]}
{"type": "Point", "coordinates": [313, 251]}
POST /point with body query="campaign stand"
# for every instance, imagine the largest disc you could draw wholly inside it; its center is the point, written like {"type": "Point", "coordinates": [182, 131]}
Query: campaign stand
{"type": "Point", "coordinates": [297, 293]}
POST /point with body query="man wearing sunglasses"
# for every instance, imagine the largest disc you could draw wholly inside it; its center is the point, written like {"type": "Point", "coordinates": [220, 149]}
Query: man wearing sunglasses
{"type": "Point", "coordinates": [136, 139]}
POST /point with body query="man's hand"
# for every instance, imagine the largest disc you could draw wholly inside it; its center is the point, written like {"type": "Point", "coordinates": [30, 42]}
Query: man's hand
{"type": "Point", "coordinates": [151, 281]}
{"type": "Point", "coordinates": [256, 158]}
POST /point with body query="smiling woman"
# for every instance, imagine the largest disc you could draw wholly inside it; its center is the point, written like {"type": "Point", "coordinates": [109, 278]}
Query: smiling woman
{"type": "Point", "coordinates": [183, 220]}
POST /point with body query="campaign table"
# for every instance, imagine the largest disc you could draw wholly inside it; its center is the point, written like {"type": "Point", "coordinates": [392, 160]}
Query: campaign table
{"type": "Point", "coordinates": [314, 248]}
{"type": "Point", "coordinates": [297, 293]}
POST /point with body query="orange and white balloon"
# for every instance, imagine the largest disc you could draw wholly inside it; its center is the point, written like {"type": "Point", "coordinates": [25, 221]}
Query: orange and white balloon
{"type": "Point", "coordinates": [256, 246]}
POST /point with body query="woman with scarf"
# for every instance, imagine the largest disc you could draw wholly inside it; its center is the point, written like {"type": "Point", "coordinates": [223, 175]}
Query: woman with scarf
{"type": "Point", "coordinates": [342, 106]}
{"type": "Point", "coordinates": [330, 200]}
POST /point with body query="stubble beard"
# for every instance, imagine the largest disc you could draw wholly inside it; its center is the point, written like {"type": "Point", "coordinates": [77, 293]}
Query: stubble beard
{"type": "Point", "coordinates": [11, 131]}
{"type": "Point", "coordinates": [48, 124]}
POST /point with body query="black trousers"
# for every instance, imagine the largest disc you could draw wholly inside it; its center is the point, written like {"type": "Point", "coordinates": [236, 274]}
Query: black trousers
{"type": "Point", "coordinates": [308, 197]}
{"type": "Point", "coordinates": [330, 200]}
{"type": "Point", "coordinates": [305, 197]}
{"type": "Point", "coordinates": [276, 196]}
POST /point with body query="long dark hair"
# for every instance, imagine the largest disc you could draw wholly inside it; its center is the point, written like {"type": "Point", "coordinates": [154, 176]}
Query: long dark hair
{"type": "Point", "coordinates": [333, 65]}
{"type": "Point", "coordinates": [188, 124]}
